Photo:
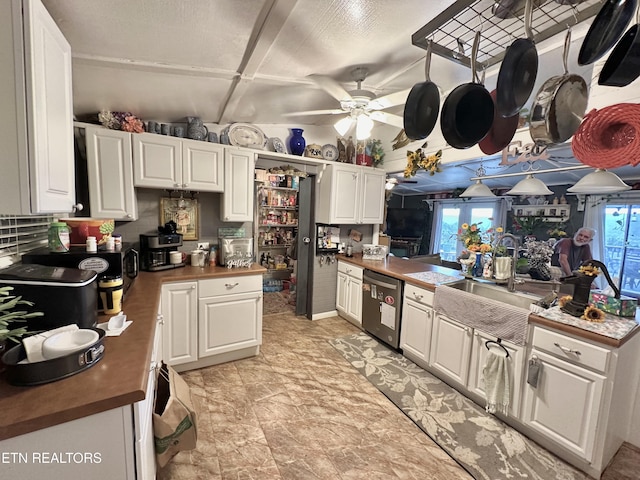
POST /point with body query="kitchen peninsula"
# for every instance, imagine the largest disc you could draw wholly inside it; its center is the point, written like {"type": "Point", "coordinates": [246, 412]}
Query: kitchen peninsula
{"type": "Point", "coordinates": [118, 383]}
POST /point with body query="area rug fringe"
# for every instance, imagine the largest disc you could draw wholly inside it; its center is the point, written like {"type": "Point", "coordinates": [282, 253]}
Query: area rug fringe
{"type": "Point", "coordinates": [480, 443]}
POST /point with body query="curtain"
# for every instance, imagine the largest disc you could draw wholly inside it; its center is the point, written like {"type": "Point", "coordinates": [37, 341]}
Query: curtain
{"type": "Point", "coordinates": [594, 218]}
{"type": "Point", "coordinates": [436, 227]}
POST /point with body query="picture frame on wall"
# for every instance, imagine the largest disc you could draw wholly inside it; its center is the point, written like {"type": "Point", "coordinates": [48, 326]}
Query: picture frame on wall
{"type": "Point", "coordinates": [183, 211]}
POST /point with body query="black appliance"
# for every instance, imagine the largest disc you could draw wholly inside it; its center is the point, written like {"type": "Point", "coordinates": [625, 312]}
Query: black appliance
{"type": "Point", "coordinates": [64, 295]}
{"type": "Point", "coordinates": [106, 264]}
{"type": "Point", "coordinates": [155, 248]}
{"type": "Point", "coordinates": [381, 307]}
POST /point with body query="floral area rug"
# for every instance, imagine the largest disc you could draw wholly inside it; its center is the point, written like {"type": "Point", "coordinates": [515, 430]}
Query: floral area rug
{"type": "Point", "coordinates": [482, 444]}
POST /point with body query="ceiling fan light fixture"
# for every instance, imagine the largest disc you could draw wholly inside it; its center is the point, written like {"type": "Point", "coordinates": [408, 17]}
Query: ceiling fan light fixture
{"type": "Point", "coordinates": [364, 125]}
{"type": "Point", "coordinates": [478, 189]}
{"type": "Point", "coordinates": [530, 186]}
{"type": "Point", "coordinates": [343, 125]}
{"type": "Point", "coordinates": [599, 181]}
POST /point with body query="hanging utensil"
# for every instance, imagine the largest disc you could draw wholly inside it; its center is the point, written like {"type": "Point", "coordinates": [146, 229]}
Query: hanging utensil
{"type": "Point", "coordinates": [518, 71]}
{"type": "Point", "coordinates": [467, 113]}
{"type": "Point", "coordinates": [623, 65]}
{"type": "Point", "coordinates": [422, 105]}
{"type": "Point", "coordinates": [559, 106]}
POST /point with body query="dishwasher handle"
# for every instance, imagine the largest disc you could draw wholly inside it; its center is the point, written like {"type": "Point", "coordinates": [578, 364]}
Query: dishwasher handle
{"type": "Point", "coordinates": [375, 281]}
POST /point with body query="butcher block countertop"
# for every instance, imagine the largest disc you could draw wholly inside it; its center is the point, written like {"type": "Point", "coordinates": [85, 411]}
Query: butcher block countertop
{"type": "Point", "coordinates": [614, 332]}
{"type": "Point", "coordinates": [119, 379]}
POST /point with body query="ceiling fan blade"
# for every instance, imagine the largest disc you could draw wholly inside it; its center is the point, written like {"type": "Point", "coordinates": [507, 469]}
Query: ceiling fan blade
{"type": "Point", "coordinates": [335, 111]}
{"type": "Point", "coordinates": [386, 101]}
{"type": "Point", "coordinates": [330, 86]}
{"type": "Point", "coordinates": [388, 118]}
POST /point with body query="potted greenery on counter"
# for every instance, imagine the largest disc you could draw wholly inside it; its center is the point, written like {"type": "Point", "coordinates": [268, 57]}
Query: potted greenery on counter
{"type": "Point", "coordinates": [11, 319]}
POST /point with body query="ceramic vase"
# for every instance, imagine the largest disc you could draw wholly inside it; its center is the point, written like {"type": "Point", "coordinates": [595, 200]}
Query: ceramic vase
{"type": "Point", "coordinates": [476, 270]}
{"type": "Point", "coordinates": [297, 143]}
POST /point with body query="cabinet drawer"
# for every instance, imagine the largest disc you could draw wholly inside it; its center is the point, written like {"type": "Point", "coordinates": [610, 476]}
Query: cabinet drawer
{"type": "Point", "coordinates": [223, 286]}
{"type": "Point", "coordinates": [569, 348]}
{"type": "Point", "coordinates": [350, 269]}
{"type": "Point", "coordinates": [419, 295]}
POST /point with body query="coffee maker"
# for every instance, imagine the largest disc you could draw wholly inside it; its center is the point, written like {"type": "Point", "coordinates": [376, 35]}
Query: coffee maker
{"type": "Point", "coordinates": [155, 249]}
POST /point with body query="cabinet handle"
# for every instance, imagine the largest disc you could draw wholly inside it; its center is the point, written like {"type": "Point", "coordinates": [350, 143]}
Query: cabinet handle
{"type": "Point", "coordinates": [176, 185]}
{"type": "Point", "coordinates": [184, 185]}
{"type": "Point", "coordinates": [129, 215]}
{"type": "Point", "coordinates": [466, 329]}
{"type": "Point", "coordinates": [566, 349]}
{"type": "Point", "coordinates": [78, 207]}
{"type": "Point", "coordinates": [231, 285]}
{"type": "Point", "coordinates": [417, 297]}
{"type": "Point", "coordinates": [193, 286]}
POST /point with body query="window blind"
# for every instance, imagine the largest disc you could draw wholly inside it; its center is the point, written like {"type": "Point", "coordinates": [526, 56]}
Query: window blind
{"type": "Point", "coordinates": [21, 234]}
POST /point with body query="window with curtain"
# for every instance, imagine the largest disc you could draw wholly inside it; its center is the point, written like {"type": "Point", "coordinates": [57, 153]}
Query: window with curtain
{"type": "Point", "coordinates": [621, 244]}
{"type": "Point", "coordinates": [450, 214]}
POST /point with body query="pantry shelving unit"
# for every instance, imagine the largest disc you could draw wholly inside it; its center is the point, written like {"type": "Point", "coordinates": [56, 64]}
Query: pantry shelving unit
{"type": "Point", "coordinates": [276, 228]}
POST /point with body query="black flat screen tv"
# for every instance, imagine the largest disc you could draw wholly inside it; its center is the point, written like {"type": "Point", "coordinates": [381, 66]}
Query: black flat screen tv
{"type": "Point", "coordinates": [405, 222]}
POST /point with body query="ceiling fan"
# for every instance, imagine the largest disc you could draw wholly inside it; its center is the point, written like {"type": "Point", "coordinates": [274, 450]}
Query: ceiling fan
{"type": "Point", "coordinates": [361, 106]}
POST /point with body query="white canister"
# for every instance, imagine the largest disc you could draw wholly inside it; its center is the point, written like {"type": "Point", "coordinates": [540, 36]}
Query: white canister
{"type": "Point", "coordinates": [175, 257]}
{"type": "Point", "coordinates": [197, 258]}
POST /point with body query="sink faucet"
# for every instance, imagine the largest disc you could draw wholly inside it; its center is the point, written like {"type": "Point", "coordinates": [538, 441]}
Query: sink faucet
{"type": "Point", "coordinates": [511, 281]}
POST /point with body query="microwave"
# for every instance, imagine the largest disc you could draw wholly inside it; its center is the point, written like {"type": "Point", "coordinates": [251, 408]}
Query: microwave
{"type": "Point", "coordinates": [106, 264]}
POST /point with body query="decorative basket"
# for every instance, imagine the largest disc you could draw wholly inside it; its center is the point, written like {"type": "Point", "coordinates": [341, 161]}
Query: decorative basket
{"type": "Point", "coordinates": [610, 137]}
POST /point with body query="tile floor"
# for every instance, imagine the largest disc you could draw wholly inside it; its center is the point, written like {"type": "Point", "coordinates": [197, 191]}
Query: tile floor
{"type": "Point", "coordinates": [298, 411]}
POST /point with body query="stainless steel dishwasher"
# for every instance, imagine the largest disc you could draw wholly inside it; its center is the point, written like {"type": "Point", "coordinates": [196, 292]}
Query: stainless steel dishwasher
{"type": "Point", "coordinates": [381, 307]}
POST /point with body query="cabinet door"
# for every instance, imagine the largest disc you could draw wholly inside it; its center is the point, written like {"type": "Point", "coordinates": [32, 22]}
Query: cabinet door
{"type": "Point", "coordinates": [342, 292]}
{"type": "Point", "coordinates": [47, 61]}
{"type": "Point", "coordinates": [354, 299]}
{"type": "Point", "coordinates": [514, 362]}
{"type": "Point", "coordinates": [157, 161]}
{"type": "Point", "coordinates": [415, 334]}
{"type": "Point", "coordinates": [110, 169]}
{"type": "Point", "coordinates": [229, 322]}
{"type": "Point", "coordinates": [180, 329]}
{"type": "Point", "coordinates": [344, 197]}
{"type": "Point", "coordinates": [237, 199]}
{"type": "Point", "coordinates": [451, 348]}
{"type": "Point", "coordinates": [202, 166]}
{"type": "Point", "coordinates": [565, 405]}
{"type": "Point", "coordinates": [372, 198]}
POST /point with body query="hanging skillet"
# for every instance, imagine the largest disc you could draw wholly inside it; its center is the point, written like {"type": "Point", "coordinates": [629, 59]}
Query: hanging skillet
{"type": "Point", "coordinates": [623, 65]}
{"type": "Point", "coordinates": [559, 106]}
{"type": "Point", "coordinates": [467, 113]}
{"type": "Point", "coordinates": [606, 29]}
{"type": "Point", "coordinates": [422, 105]}
{"type": "Point", "coordinates": [518, 71]}
{"type": "Point", "coordinates": [501, 133]}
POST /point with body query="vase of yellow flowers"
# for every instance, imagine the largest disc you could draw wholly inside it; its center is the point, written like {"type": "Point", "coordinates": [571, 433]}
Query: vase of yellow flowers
{"type": "Point", "coordinates": [478, 243]}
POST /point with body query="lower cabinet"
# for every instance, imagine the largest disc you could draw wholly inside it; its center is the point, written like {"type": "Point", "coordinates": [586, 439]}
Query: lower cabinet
{"type": "Point", "coordinates": [211, 321]}
{"type": "Point", "coordinates": [417, 321]}
{"type": "Point", "coordinates": [349, 292]}
{"type": "Point", "coordinates": [451, 349]}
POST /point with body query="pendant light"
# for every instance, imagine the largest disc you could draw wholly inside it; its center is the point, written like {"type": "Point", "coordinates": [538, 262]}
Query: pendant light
{"type": "Point", "coordinates": [600, 181]}
{"type": "Point", "coordinates": [530, 186]}
{"type": "Point", "coordinates": [478, 189]}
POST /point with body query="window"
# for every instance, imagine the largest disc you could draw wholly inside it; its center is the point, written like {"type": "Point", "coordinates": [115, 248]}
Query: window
{"type": "Point", "coordinates": [621, 246]}
{"type": "Point", "coordinates": [450, 214]}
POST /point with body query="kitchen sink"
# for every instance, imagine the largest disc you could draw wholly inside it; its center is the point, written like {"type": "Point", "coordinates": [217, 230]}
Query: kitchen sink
{"type": "Point", "coordinates": [495, 292]}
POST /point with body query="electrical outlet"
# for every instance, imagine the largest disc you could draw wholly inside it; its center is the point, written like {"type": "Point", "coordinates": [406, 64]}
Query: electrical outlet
{"type": "Point", "coordinates": [203, 245]}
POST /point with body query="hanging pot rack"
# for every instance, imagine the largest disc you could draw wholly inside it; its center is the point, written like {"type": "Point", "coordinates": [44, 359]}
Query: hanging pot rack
{"type": "Point", "coordinates": [452, 31]}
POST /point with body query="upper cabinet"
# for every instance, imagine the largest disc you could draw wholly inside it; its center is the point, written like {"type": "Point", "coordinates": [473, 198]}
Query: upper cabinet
{"type": "Point", "coordinates": [170, 162]}
{"type": "Point", "coordinates": [36, 118]}
{"type": "Point", "coordinates": [350, 194]}
{"type": "Point", "coordinates": [237, 199]}
{"type": "Point", "coordinates": [110, 172]}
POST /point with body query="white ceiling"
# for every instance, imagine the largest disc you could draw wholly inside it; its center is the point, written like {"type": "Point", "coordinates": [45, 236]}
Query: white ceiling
{"type": "Point", "coordinates": [249, 60]}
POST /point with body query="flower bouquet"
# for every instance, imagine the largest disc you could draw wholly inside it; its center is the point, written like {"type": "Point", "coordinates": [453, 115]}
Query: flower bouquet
{"type": "Point", "coordinates": [539, 255]}
{"type": "Point", "coordinates": [125, 121]}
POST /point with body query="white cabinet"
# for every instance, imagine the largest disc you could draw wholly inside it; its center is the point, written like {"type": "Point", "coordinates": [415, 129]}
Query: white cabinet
{"type": "Point", "coordinates": [417, 322]}
{"type": "Point", "coordinates": [349, 292]}
{"type": "Point", "coordinates": [36, 118]}
{"type": "Point", "coordinates": [110, 172]}
{"type": "Point", "coordinates": [350, 194]}
{"type": "Point", "coordinates": [229, 314]}
{"type": "Point", "coordinates": [169, 162]}
{"type": "Point", "coordinates": [237, 199]}
{"type": "Point", "coordinates": [451, 348]}
{"type": "Point", "coordinates": [180, 329]}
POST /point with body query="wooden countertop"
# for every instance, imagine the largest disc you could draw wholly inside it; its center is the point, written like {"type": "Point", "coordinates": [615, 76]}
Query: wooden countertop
{"type": "Point", "coordinates": [119, 379]}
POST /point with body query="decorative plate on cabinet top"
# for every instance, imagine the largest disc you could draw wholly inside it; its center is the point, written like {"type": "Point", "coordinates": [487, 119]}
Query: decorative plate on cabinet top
{"type": "Point", "coordinates": [278, 145]}
{"type": "Point", "coordinates": [330, 152]}
{"type": "Point", "coordinates": [247, 135]}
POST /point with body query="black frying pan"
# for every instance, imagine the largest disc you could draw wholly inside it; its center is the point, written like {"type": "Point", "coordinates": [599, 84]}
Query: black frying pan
{"type": "Point", "coordinates": [623, 65]}
{"type": "Point", "coordinates": [467, 113]}
{"type": "Point", "coordinates": [501, 133]}
{"type": "Point", "coordinates": [606, 29]}
{"type": "Point", "coordinates": [422, 105]}
{"type": "Point", "coordinates": [518, 71]}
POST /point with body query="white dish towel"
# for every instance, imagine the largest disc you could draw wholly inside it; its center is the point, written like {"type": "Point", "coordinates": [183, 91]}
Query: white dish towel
{"type": "Point", "coordinates": [496, 381]}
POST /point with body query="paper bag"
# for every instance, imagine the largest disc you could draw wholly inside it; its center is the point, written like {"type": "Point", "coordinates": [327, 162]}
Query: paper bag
{"type": "Point", "coordinates": [174, 418]}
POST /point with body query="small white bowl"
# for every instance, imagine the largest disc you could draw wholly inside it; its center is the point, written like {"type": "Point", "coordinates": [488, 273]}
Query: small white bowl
{"type": "Point", "coordinates": [64, 343]}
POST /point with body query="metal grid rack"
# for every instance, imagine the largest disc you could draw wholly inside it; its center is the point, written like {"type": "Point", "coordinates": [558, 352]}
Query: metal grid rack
{"type": "Point", "coordinates": [453, 30]}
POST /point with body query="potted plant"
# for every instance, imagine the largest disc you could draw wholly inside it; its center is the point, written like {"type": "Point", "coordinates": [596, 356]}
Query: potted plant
{"type": "Point", "coordinates": [12, 320]}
